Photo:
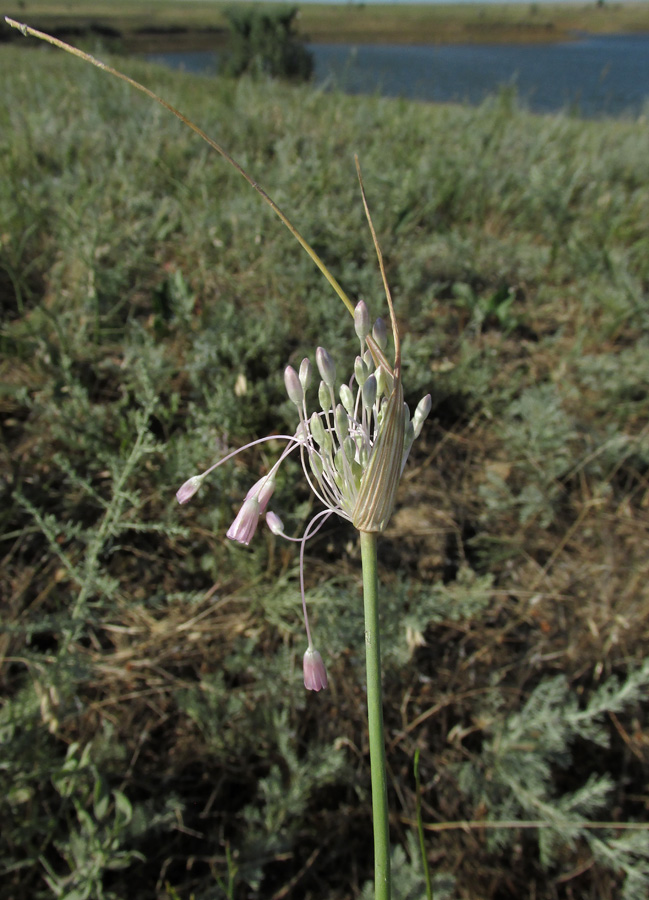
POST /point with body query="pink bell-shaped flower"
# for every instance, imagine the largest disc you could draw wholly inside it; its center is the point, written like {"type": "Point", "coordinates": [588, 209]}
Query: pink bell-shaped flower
{"type": "Point", "coordinates": [244, 526]}
{"type": "Point", "coordinates": [315, 674]}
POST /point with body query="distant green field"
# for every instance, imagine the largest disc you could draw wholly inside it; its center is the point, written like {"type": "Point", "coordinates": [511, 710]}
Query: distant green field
{"type": "Point", "coordinates": [407, 23]}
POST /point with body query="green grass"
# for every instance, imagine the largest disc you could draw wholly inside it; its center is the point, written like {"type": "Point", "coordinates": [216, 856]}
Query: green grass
{"type": "Point", "coordinates": [352, 22]}
{"type": "Point", "coordinates": [156, 739]}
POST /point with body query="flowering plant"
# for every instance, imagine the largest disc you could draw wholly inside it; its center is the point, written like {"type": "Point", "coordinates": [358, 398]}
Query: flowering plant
{"type": "Point", "coordinates": [353, 449]}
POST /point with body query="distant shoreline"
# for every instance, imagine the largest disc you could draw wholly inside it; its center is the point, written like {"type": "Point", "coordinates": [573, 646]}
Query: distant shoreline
{"type": "Point", "coordinates": [132, 26]}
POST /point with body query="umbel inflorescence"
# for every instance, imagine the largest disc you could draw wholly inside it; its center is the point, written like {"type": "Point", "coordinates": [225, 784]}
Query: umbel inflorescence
{"type": "Point", "coordinates": [353, 446]}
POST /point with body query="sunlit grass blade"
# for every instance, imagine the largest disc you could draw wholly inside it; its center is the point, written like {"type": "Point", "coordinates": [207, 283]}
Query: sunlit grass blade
{"type": "Point", "coordinates": [41, 35]}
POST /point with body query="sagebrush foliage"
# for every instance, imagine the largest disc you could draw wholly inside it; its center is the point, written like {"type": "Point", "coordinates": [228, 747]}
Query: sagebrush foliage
{"type": "Point", "coordinates": [524, 757]}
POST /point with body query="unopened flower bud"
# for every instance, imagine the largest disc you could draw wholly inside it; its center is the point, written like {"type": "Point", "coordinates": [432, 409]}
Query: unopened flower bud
{"type": "Point", "coordinates": [274, 523]}
{"type": "Point", "coordinates": [369, 392]}
{"type": "Point", "coordinates": [317, 429]}
{"type": "Point", "coordinates": [188, 489]}
{"type": "Point", "coordinates": [326, 367]}
{"type": "Point", "coordinates": [380, 333]}
{"type": "Point", "coordinates": [306, 371]}
{"type": "Point", "coordinates": [362, 320]}
{"type": "Point", "coordinates": [315, 674]}
{"type": "Point", "coordinates": [293, 386]}
{"type": "Point", "coordinates": [324, 397]}
{"type": "Point", "coordinates": [342, 424]}
{"type": "Point", "coordinates": [421, 413]}
{"type": "Point", "coordinates": [382, 386]}
{"type": "Point", "coordinates": [347, 398]}
{"type": "Point", "coordinates": [361, 371]}
{"type": "Point", "coordinates": [339, 463]}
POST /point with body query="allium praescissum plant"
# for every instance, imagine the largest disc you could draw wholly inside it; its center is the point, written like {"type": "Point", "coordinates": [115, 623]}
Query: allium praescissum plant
{"type": "Point", "coordinates": [353, 449]}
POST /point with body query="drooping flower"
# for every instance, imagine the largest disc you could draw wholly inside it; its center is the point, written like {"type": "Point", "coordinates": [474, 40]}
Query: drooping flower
{"type": "Point", "coordinates": [254, 506]}
{"type": "Point", "coordinates": [315, 675]}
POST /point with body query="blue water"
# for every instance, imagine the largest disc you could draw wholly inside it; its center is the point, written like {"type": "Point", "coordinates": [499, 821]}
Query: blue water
{"type": "Point", "coordinates": [595, 76]}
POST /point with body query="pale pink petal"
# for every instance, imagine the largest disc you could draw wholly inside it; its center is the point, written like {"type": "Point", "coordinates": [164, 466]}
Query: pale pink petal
{"type": "Point", "coordinates": [244, 526]}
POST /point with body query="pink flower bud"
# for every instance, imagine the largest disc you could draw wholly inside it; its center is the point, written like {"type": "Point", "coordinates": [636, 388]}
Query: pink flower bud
{"type": "Point", "coordinates": [315, 674]}
{"type": "Point", "coordinates": [274, 523]}
{"type": "Point", "coordinates": [188, 489]}
{"type": "Point", "coordinates": [362, 320]}
{"type": "Point", "coordinates": [244, 526]}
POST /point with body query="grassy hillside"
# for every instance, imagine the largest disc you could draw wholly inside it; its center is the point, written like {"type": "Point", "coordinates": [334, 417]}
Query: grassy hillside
{"type": "Point", "coordinates": [156, 739]}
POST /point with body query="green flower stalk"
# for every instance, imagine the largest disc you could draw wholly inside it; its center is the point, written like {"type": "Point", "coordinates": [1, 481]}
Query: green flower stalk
{"type": "Point", "coordinates": [353, 444]}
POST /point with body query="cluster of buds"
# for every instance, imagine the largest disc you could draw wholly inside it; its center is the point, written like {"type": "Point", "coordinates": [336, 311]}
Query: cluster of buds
{"type": "Point", "coordinates": [353, 449]}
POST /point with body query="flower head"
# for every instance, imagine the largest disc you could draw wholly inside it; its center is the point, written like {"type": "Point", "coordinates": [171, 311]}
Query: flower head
{"type": "Point", "coordinates": [353, 445]}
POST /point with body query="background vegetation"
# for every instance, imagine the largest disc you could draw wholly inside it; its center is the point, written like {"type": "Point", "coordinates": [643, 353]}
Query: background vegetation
{"type": "Point", "coordinates": [142, 24]}
{"type": "Point", "coordinates": [156, 739]}
{"type": "Point", "coordinates": [263, 43]}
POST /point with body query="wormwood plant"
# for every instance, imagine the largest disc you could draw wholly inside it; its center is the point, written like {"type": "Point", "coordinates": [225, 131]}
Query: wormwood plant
{"type": "Point", "coordinates": [97, 822]}
{"type": "Point", "coordinates": [523, 754]}
{"type": "Point", "coordinates": [353, 450]}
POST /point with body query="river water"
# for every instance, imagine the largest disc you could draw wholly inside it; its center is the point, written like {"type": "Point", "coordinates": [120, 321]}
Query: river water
{"type": "Point", "coordinates": [594, 76]}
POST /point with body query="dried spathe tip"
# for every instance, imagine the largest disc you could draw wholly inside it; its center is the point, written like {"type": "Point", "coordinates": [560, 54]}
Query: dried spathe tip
{"type": "Point", "coordinates": [315, 674]}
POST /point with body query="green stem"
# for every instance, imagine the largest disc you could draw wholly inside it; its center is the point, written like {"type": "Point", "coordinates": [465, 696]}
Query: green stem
{"type": "Point", "coordinates": [382, 886]}
{"type": "Point", "coordinates": [420, 830]}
